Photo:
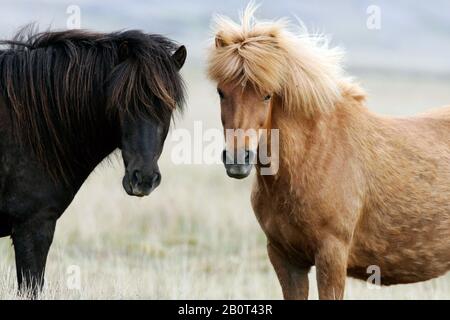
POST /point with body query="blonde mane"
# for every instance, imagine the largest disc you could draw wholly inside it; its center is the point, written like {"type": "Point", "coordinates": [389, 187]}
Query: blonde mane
{"type": "Point", "coordinates": [298, 67]}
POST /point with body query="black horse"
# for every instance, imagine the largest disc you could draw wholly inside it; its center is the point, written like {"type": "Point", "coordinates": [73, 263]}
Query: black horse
{"type": "Point", "coordinates": [67, 100]}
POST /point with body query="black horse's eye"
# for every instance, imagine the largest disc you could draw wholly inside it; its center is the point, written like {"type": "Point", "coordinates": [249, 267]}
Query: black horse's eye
{"type": "Point", "coordinates": [268, 97]}
{"type": "Point", "coordinates": [220, 93]}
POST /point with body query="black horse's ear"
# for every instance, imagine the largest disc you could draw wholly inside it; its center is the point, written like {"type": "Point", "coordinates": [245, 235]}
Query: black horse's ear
{"type": "Point", "coordinates": [179, 57]}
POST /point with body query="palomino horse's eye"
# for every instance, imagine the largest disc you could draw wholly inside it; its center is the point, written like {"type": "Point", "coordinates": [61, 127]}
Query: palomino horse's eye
{"type": "Point", "coordinates": [220, 93]}
{"type": "Point", "coordinates": [268, 97]}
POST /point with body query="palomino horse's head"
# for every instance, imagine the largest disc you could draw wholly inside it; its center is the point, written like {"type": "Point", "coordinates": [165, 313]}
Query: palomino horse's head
{"type": "Point", "coordinates": [144, 129]}
{"type": "Point", "coordinates": [245, 113]}
{"type": "Point", "coordinates": [263, 72]}
{"type": "Point", "coordinates": [249, 69]}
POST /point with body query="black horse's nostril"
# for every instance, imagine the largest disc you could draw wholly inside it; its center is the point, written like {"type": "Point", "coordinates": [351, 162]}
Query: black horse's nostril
{"type": "Point", "coordinates": [136, 178]}
{"type": "Point", "coordinates": [156, 179]}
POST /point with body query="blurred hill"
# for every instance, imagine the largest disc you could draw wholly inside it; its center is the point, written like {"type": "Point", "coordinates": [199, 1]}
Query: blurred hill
{"type": "Point", "coordinates": [414, 37]}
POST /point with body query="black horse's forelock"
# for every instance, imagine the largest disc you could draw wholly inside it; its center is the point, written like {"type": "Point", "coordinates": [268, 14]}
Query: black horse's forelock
{"type": "Point", "coordinates": [59, 84]}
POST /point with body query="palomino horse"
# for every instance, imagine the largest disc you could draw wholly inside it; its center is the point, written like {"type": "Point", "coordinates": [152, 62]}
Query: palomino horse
{"type": "Point", "coordinates": [68, 100]}
{"type": "Point", "coordinates": [353, 189]}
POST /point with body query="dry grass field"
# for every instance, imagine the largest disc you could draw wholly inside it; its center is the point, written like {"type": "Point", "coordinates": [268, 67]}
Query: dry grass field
{"type": "Point", "coordinates": [195, 237]}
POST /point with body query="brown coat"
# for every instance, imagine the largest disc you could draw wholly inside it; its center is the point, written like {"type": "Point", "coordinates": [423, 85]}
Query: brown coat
{"type": "Point", "coordinates": [356, 189]}
{"type": "Point", "coordinates": [353, 189]}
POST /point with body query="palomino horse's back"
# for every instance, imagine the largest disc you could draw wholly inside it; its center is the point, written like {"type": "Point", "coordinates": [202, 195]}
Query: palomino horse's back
{"type": "Point", "coordinates": [438, 113]}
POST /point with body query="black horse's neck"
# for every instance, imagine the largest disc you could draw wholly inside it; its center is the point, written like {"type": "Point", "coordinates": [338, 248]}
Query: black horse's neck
{"type": "Point", "coordinates": [91, 149]}
{"type": "Point", "coordinates": [19, 166]}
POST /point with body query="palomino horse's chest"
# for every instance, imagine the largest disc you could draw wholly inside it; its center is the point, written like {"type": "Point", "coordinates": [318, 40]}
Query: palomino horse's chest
{"type": "Point", "coordinates": [283, 225]}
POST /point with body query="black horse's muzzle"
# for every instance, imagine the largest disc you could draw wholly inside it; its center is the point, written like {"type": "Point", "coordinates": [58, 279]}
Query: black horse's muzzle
{"type": "Point", "coordinates": [238, 164]}
{"type": "Point", "coordinates": [138, 184]}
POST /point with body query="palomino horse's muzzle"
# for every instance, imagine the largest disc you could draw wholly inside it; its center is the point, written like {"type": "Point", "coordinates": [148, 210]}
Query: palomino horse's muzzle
{"type": "Point", "coordinates": [238, 164]}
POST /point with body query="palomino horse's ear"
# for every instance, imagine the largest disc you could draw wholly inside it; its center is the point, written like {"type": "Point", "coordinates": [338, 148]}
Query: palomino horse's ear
{"type": "Point", "coordinates": [220, 43]}
{"type": "Point", "coordinates": [179, 57]}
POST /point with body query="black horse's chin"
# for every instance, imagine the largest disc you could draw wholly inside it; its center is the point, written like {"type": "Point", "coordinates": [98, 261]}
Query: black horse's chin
{"type": "Point", "coordinates": [138, 193]}
{"type": "Point", "coordinates": [238, 171]}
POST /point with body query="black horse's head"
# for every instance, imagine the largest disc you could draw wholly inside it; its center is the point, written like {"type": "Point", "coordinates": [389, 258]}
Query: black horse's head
{"type": "Point", "coordinates": [144, 122]}
{"type": "Point", "coordinates": [94, 92]}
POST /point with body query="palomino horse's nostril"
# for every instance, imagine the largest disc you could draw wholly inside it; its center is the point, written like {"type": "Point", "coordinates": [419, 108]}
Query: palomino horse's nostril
{"type": "Point", "coordinates": [241, 157]}
{"type": "Point", "coordinates": [224, 156]}
{"type": "Point", "coordinates": [247, 156]}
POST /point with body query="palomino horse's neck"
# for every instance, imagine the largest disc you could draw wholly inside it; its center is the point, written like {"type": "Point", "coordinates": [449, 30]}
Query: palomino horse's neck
{"type": "Point", "coordinates": [298, 145]}
{"type": "Point", "coordinates": [306, 144]}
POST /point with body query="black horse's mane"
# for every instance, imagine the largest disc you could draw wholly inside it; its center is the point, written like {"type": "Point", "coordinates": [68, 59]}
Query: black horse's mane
{"type": "Point", "coordinates": [59, 85]}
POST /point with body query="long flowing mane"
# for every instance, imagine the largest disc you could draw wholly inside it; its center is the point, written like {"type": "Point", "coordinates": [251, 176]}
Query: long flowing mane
{"type": "Point", "coordinates": [59, 86]}
{"type": "Point", "coordinates": [300, 68]}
